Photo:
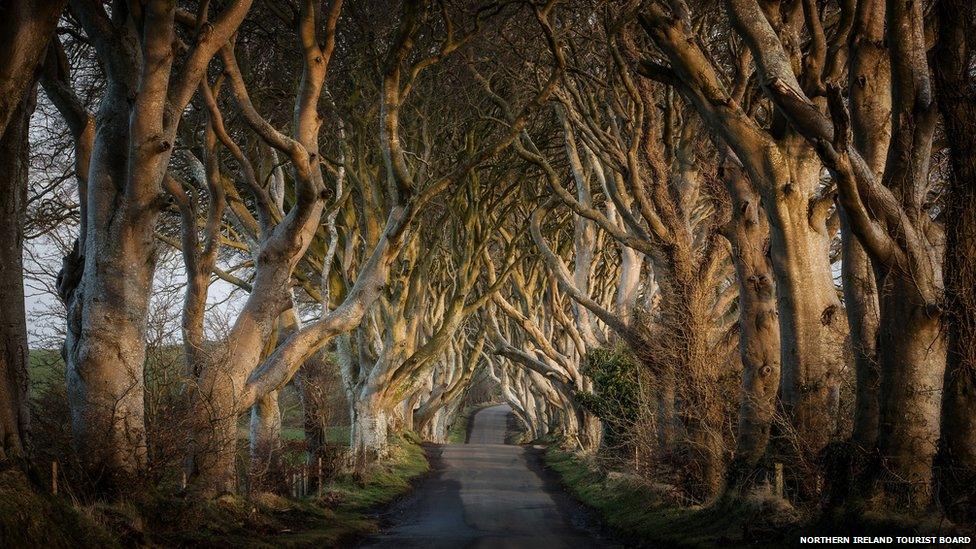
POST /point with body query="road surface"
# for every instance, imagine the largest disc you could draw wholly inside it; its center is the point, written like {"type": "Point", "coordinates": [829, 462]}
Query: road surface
{"type": "Point", "coordinates": [485, 494]}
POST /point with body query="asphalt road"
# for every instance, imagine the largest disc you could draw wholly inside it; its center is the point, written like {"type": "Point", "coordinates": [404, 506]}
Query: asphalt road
{"type": "Point", "coordinates": [485, 494]}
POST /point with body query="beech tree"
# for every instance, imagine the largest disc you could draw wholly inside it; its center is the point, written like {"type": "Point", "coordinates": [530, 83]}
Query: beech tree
{"type": "Point", "coordinates": [642, 146]}
{"type": "Point", "coordinates": [106, 282]}
{"type": "Point", "coordinates": [956, 95]}
{"type": "Point", "coordinates": [785, 171]}
{"type": "Point", "coordinates": [758, 216]}
{"type": "Point", "coordinates": [26, 28]}
{"type": "Point", "coordinates": [899, 233]}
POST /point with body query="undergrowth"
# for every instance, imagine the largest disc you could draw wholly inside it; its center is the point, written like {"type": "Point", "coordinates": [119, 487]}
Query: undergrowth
{"type": "Point", "coordinates": [29, 517]}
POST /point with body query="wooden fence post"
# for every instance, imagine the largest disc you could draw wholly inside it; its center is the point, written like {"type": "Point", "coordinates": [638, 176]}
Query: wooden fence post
{"type": "Point", "coordinates": [778, 481]}
{"type": "Point", "coordinates": [319, 475]}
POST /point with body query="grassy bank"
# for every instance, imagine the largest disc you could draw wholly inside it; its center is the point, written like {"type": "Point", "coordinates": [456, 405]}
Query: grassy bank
{"type": "Point", "coordinates": [646, 514]}
{"type": "Point", "coordinates": [29, 517]}
{"type": "Point", "coordinates": [458, 432]}
{"type": "Point", "coordinates": [343, 513]}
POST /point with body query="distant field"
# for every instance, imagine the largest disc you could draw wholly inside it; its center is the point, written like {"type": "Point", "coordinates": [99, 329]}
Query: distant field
{"type": "Point", "coordinates": [45, 366]}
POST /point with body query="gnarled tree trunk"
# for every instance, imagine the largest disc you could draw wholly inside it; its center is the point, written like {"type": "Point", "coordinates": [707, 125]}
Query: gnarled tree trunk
{"type": "Point", "coordinates": [105, 347]}
{"type": "Point", "coordinates": [758, 331]}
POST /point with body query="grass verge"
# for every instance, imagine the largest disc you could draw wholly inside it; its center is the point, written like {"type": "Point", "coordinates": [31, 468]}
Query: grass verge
{"type": "Point", "coordinates": [343, 513]}
{"type": "Point", "coordinates": [458, 433]}
{"type": "Point", "coordinates": [646, 514]}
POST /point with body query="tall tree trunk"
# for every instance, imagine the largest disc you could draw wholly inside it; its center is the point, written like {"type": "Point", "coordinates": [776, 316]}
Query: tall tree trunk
{"type": "Point", "coordinates": [870, 112]}
{"type": "Point", "coordinates": [861, 301]}
{"type": "Point", "coordinates": [665, 413]}
{"type": "Point", "coordinates": [809, 309]}
{"type": "Point", "coordinates": [219, 399]}
{"type": "Point", "coordinates": [26, 28]}
{"type": "Point", "coordinates": [957, 98]}
{"type": "Point", "coordinates": [192, 323]}
{"type": "Point", "coordinates": [759, 341]}
{"type": "Point", "coordinates": [861, 305]}
{"type": "Point", "coordinates": [107, 279]}
{"type": "Point", "coordinates": [911, 342]}
{"type": "Point", "coordinates": [312, 392]}
{"type": "Point", "coordinates": [13, 326]}
{"type": "Point", "coordinates": [785, 172]}
{"type": "Point", "coordinates": [684, 323]}
{"type": "Point", "coordinates": [703, 413]}
{"type": "Point", "coordinates": [870, 107]}
{"type": "Point", "coordinates": [213, 438]}
{"type": "Point", "coordinates": [912, 356]}
{"type": "Point", "coordinates": [369, 430]}
{"type": "Point", "coordinates": [264, 435]}
{"type": "Point", "coordinates": [105, 346]}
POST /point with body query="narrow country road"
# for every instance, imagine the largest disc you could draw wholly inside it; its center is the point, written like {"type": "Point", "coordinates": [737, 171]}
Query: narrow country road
{"type": "Point", "coordinates": [485, 494]}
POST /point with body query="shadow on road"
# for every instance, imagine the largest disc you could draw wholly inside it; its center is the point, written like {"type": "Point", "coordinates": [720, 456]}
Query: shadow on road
{"type": "Point", "coordinates": [486, 494]}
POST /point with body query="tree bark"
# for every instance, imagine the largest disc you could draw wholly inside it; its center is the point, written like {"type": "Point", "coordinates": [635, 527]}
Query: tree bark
{"type": "Point", "coordinates": [26, 28]}
{"type": "Point", "coordinates": [265, 438]}
{"type": "Point", "coordinates": [956, 459]}
{"type": "Point", "coordinates": [105, 346]}
{"type": "Point", "coordinates": [313, 393]}
{"type": "Point", "coordinates": [785, 172]}
{"type": "Point", "coordinates": [811, 326]}
{"type": "Point", "coordinates": [759, 340]}
{"type": "Point", "coordinates": [14, 412]}
{"type": "Point", "coordinates": [912, 351]}
{"type": "Point", "coordinates": [369, 430]}
{"type": "Point", "coordinates": [911, 341]}
{"type": "Point", "coordinates": [870, 107]}
{"type": "Point", "coordinates": [106, 281]}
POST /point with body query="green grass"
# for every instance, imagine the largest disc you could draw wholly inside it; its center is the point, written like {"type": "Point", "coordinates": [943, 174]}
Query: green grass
{"type": "Point", "coordinates": [385, 481]}
{"type": "Point", "coordinates": [44, 366]}
{"type": "Point", "coordinates": [458, 432]}
{"type": "Point", "coordinates": [32, 518]}
{"type": "Point", "coordinates": [645, 514]}
{"type": "Point", "coordinates": [342, 514]}
{"type": "Point", "coordinates": [336, 434]}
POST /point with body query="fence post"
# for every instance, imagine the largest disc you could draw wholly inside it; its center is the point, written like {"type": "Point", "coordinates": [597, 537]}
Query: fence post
{"type": "Point", "coordinates": [778, 480]}
{"type": "Point", "coordinates": [54, 477]}
{"type": "Point", "coordinates": [319, 476]}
